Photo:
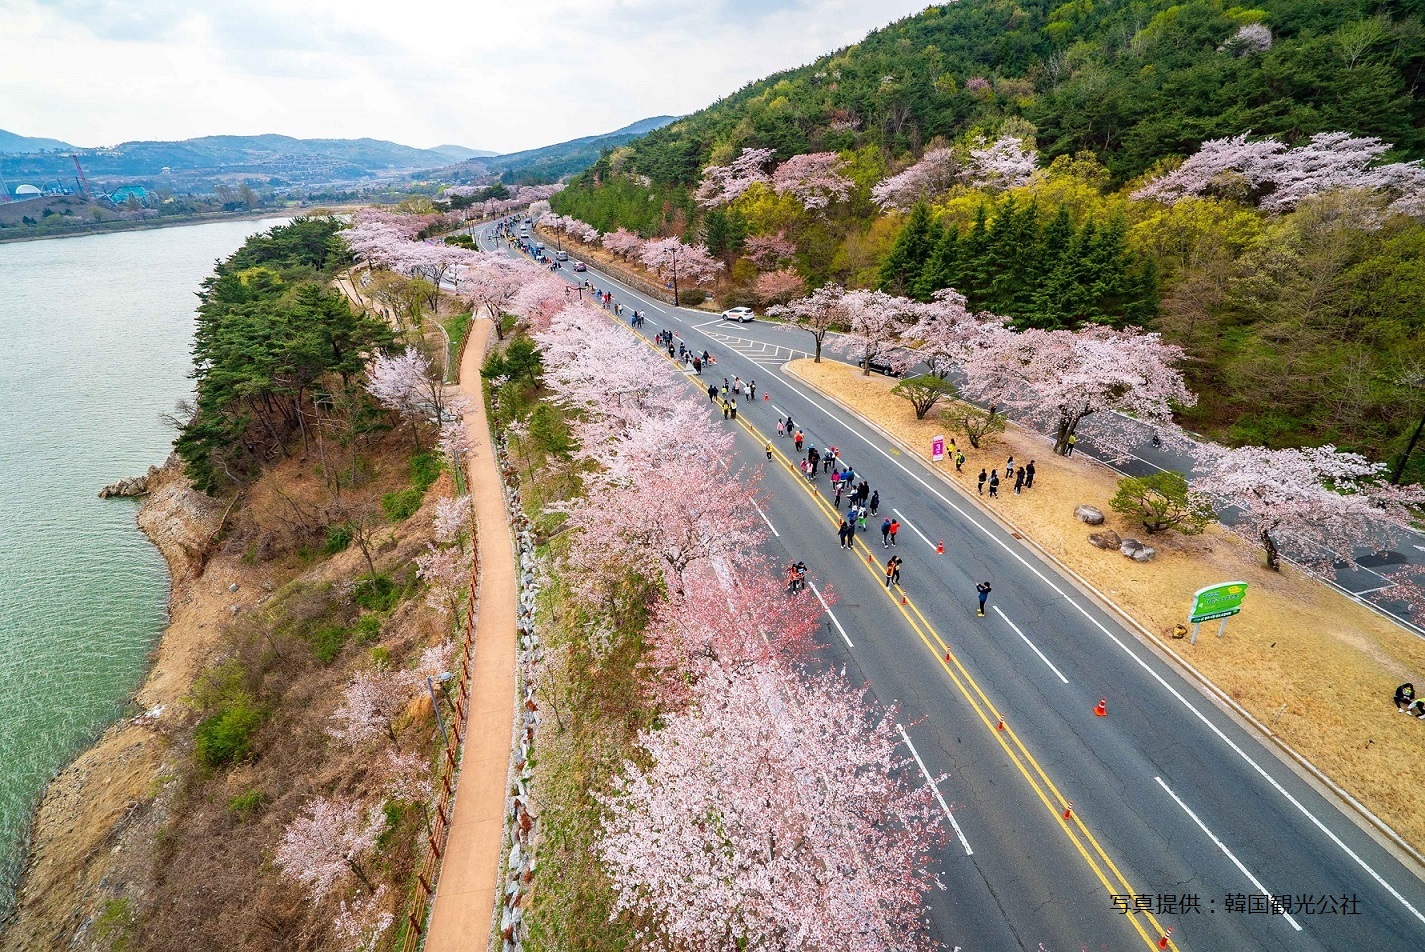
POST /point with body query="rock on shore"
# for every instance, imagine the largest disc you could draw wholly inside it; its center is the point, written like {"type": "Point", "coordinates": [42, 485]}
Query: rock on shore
{"type": "Point", "coordinates": [135, 486]}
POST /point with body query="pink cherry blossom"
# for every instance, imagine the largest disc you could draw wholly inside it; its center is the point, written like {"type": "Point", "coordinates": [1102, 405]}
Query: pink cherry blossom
{"type": "Point", "coordinates": [1249, 38]}
{"type": "Point", "coordinates": [936, 173]}
{"type": "Point", "coordinates": [816, 313]}
{"type": "Point", "coordinates": [945, 333]}
{"type": "Point", "coordinates": [369, 705]}
{"type": "Point", "coordinates": [407, 384]}
{"type": "Point", "coordinates": [362, 921]}
{"type": "Point", "coordinates": [875, 324]}
{"type": "Point", "coordinates": [454, 443]}
{"type": "Point", "coordinates": [447, 571]}
{"type": "Point", "coordinates": [453, 518]}
{"type": "Point", "coordinates": [1316, 504]}
{"type": "Point", "coordinates": [772, 814]}
{"type": "Point", "coordinates": [674, 261]}
{"type": "Point", "coordinates": [623, 243]}
{"type": "Point", "coordinates": [723, 184]}
{"type": "Point", "coordinates": [814, 180]}
{"type": "Point", "coordinates": [767, 252]}
{"type": "Point", "coordinates": [779, 287]}
{"type": "Point", "coordinates": [327, 841]}
{"type": "Point", "coordinates": [1003, 163]}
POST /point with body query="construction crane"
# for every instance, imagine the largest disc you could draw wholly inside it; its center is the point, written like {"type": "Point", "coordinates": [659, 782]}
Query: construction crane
{"type": "Point", "coordinates": [83, 182]}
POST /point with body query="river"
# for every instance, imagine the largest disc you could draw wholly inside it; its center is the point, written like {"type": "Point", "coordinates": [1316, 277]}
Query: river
{"type": "Point", "coordinates": [95, 334]}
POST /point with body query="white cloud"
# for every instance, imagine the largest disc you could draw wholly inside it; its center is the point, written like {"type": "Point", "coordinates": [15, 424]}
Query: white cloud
{"type": "Point", "coordinates": [488, 73]}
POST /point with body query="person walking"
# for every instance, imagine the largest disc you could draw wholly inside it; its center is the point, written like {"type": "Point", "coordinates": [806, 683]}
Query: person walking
{"type": "Point", "coordinates": [837, 484]}
{"type": "Point", "coordinates": [752, 390]}
{"type": "Point", "coordinates": [826, 462]}
{"type": "Point", "coordinates": [712, 393]}
{"type": "Point", "coordinates": [726, 411]}
{"type": "Point", "coordinates": [875, 501]}
{"type": "Point", "coordinates": [1072, 440]}
{"type": "Point", "coordinates": [861, 518]}
{"type": "Point", "coordinates": [983, 477]}
{"type": "Point", "coordinates": [769, 449]}
{"type": "Point", "coordinates": [959, 461]}
{"type": "Point", "coordinates": [895, 527]}
{"type": "Point", "coordinates": [698, 366]}
{"type": "Point", "coordinates": [725, 388]}
{"type": "Point", "coordinates": [1018, 480]}
{"type": "Point", "coordinates": [983, 589]}
{"type": "Point", "coordinates": [896, 573]}
{"type": "Point", "coordinates": [1029, 475]}
{"type": "Point", "coordinates": [994, 485]}
{"type": "Point", "coordinates": [813, 457]}
{"type": "Point", "coordinates": [1009, 468]}
{"type": "Point", "coordinates": [798, 440]}
{"type": "Point", "coordinates": [733, 405]}
{"type": "Point", "coordinates": [886, 533]}
{"type": "Point", "coordinates": [892, 568]}
{"type": "Point", "coordinates": [790, 425]}
{"type": "Point", "coordinates": [780, 428]}
{"type": "Point", "coordinates": [843, 532]}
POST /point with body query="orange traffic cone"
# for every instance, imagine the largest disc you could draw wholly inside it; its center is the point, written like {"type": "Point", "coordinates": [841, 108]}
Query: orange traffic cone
{"type": "Point", "coordinates": [766, 396]}
{"type": "Point", "coordinates": [940, 547]}
{"type": "Point", "coordinates": [870, 558]}
{"type": "Point", "coordinates": [1101, 709]}
{"type": "Point", "coordinates": [1163, 942]}
{"type": "Point", "coordinates": [903, 601]}
{"type": "Point", "coordinates": [1000, 725]}
{"type": "Point", "coordinates": [1069, 811]}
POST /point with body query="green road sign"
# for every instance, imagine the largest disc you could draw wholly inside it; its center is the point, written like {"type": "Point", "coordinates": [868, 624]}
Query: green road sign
{"type": "Point", "coordinates": [1217, 601]}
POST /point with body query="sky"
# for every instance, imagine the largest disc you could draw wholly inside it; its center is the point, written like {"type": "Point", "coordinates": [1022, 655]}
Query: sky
{"type": "Point", "coordinates": [486, 74]}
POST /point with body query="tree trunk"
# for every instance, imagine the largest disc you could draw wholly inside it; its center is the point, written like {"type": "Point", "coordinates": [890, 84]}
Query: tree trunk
{"type": "Point", "coordinates": [1405, 455]}
{"type": "Point", "coordinates": [817, 338]}
{"type": "Point", "coordinates": [1273, 556]}
{"type": "Point", "coordinates": [675, 287]}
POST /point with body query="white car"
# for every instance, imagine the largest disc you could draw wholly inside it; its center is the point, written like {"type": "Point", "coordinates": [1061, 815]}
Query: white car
{"type": "Point", "coordinates": [742, 315]}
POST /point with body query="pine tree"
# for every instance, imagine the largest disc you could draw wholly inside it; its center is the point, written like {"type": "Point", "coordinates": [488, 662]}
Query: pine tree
{"type": "Point", "coordinates": [943, 268]}
{"type": "Point", "coordinates": [911, 253]}
{"type": "Point", "coordinates": [975, 265]}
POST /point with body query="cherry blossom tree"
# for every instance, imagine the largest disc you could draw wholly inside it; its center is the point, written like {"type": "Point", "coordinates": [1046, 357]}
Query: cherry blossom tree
{"type": "Point", "coordinates": [1318, 504]}
{"type": "Point", "coordinates": [539, 299]}
{"type": "Point", "coordinates": [453, 518]}
{"type": "Point", "coordinates": [876, 322]}
{"type": "Point", "coordinates": [733, 616]}
{"type": "Point", "coordinates": [407, 384]}
{"type": "Point", "coordinates": [432, 262]}
{"type": "Point", "coordinates": [773, 814]}
{"type": "Point", "coordinates": [723, 184]}
{"type": "Point", "coordinates": [945, 333]}
{"type": "Point", "coordinates": [369, 705]}
{"type": "Point", "coordinates": [1249, 38]}
{"type": "Point", "coordinates": [447, 572]}
{"type": "Point", "coordinates": [493, 282]}
{"type": "Point", "coordinates": [1004, 163]}
{"type": "Point", "coordinates": [362, 922]}
{"type": "Point", "coordinates": [816, 313]}
{"type": "Point", "coordinates": [454, 443]}
{"type": "Point", "coordinates": [936, 173]}
{"type": "Point", "coordinates": [814, 180]}
{"type": "Point", "coordinates": [327, 841]}
{"type": "Point", "coordinates": [623, 243]}
{"type": "Point", "coordinates": [592, 364]}
{"type": "Point", "coordinates": [779, 287]}
{"type": "Point", "coordinates": [769, 252]}
{"type": "Point", "coordinates": [670, 259]}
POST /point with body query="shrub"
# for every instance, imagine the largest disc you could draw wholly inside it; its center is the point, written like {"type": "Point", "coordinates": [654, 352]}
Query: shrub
{"type": "Point", "coordinates": [376, 594]}
{"type": "Point", "coordinates": [924, 392]}
{"type": "Point", "coordinates": [1162, 501]}
{"type": "Point", "coordinates": [401, 504]}
{"type": "Point", "coordinates": [425, 470]}
{"type": "Point", "coordinates": [692, 297]}
{"type": "Point", "coordinates": [245, 805]}
{"type": "Point", "coordinates": [226, 737]}
{"type": "Point", "coordinates": [368, 629]}
{"type": "Point", "coordinates": [338, 538]}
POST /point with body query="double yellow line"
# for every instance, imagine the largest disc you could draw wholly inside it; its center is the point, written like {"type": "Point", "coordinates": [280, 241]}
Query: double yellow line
{"type": "Point", "coordinates": [1097, 858]}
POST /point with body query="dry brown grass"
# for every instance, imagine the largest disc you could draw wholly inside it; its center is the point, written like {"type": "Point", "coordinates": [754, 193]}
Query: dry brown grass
{"type": "Point", "coordinates": [1316, 667]}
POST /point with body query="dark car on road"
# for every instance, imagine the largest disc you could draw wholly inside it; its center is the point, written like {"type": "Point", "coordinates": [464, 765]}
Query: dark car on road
{"type": "Point", "coordinates": [580, 266]}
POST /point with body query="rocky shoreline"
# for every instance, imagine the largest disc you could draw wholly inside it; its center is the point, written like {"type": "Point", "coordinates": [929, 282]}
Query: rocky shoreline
{"type": "Point", "coordinates": [95, 830]}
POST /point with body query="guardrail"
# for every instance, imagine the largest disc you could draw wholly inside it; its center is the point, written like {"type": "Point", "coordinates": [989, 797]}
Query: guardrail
{"type": "Point", "coordinates": [440, 819]}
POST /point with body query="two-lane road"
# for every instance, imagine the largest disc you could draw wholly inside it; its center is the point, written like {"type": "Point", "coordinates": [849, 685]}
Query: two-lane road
{"type": "Point", "coordinates": [1174, 803]}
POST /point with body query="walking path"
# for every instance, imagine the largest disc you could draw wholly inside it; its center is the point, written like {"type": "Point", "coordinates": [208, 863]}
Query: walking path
{"type": "Point", "coordinates": [465, 895]}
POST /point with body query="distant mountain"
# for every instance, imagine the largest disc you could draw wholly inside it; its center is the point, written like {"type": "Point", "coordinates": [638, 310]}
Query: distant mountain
{"type": "Point", "coordinates": [458, 153]}
{"type": "Point", "coordinates": [10, 142]}
{"type": "Point", "coordinates": [565, 158]}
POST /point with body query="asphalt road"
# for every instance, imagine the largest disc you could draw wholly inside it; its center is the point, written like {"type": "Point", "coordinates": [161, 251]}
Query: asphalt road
{"type": "Point", "coordinates": [1172, 798]}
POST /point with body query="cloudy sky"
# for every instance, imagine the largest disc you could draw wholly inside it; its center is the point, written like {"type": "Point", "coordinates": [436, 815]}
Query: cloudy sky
{"type": "Point", "coordinates": [488, 74]}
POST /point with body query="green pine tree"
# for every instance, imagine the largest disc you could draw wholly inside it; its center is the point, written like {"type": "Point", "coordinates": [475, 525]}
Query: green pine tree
{"type": "Point", "coordinates": [911, 253]}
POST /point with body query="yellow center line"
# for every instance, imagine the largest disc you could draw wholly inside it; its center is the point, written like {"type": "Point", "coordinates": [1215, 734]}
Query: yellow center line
{"type": "Point", "coordinates": [989, 715]}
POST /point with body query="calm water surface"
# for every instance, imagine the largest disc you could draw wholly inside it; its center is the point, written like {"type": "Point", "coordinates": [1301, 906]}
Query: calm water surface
{"type": "Point", "coordinates": [94, 346]}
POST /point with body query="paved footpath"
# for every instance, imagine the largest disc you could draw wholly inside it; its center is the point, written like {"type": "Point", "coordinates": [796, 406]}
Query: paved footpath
{"type": "Point", "coordinates": [469, 875]}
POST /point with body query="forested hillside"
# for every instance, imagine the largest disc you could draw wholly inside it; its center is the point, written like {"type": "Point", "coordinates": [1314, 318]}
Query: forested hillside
{"type": "Point", "coordinates": [1025, 155]}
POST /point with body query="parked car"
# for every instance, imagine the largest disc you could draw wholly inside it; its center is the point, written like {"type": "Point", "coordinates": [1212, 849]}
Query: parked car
{"type": "Point", "coordinates": [742, 315]}
{"type": "Point", "coordinates": [562, 256]}
{"type": "Point", "coordinates": [580, 266]}
{"type": "Point", "coordinates": [882, 363]}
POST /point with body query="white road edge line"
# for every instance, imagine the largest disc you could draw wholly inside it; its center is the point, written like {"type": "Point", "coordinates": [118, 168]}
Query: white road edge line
{"type": "Point", "coordinates": [765, 519]}
{"type": "Point", "coordinates": [830, 614]}
{"type": "Point", "coordinates": [1031, 644]}
{"type": "Point", "coordinates": [912, 526]}
{"type": "Point", "coordinates": [1330, 834]}
{"type": "Point", "coordinates": [935, 788]}
{"type": "Point", "coordinates": [1223, 847]}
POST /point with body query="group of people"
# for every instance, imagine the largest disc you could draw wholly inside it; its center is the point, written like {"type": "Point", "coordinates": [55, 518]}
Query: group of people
{"type": "Point", "coordinates": [1407, 703]}
{"type": "Point", "coordinates": [1023, 477]}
